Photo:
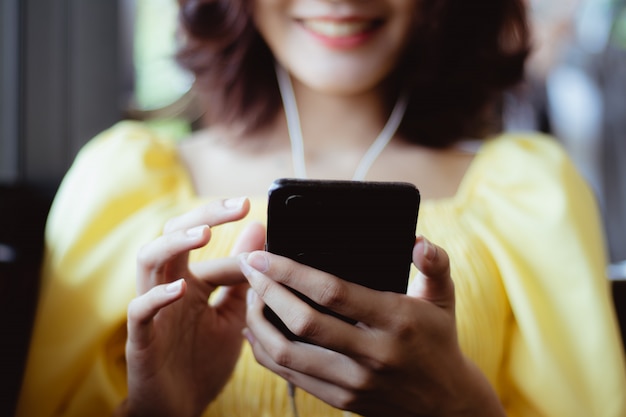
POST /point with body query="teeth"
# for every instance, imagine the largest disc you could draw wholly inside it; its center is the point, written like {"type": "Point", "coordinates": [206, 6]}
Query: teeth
{"type": "Point", "coordinates": [334, 29]}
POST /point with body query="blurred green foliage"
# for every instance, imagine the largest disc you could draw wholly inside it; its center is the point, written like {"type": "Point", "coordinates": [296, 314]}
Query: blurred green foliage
{"type": "Point", "coordinates": [159, 80]}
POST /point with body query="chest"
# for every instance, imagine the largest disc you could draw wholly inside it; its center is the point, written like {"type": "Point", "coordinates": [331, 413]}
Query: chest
{"type": "Point", "coordinates": [482, 309]}
{"type": "Point", "coordinates": [224, 171]}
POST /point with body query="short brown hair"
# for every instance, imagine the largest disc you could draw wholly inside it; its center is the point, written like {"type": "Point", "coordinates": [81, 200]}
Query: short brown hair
{"type": "Point", "coordinates": [462, 56]}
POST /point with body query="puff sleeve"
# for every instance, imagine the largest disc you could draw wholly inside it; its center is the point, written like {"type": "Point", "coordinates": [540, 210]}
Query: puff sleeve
{"type": "Point", "coordinates": [122, 187]}
{"type": "Point", "coordinates": [542, 226]}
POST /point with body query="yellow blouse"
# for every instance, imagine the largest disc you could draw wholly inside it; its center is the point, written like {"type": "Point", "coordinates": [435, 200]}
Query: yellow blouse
{"type": "Point", "coordinates": [523, 233]}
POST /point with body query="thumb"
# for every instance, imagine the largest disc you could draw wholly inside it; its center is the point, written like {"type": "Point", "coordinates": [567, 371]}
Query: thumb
{"type": "Point", "coordinates": [433, 282]}
{"type": "Point", "coordinates": [251, 239]}
{"type": "Point", "coordinates": [226, 271]}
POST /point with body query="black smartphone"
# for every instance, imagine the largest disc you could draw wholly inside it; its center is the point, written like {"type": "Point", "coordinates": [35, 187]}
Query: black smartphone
{"type": "Point", "coordinates": [360, 231]}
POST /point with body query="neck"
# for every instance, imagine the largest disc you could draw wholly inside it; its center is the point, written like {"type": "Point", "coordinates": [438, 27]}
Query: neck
{"type": "Point", "coordinates": [339, 121]}
{"type": "Point", "coordinates": [295, 129]}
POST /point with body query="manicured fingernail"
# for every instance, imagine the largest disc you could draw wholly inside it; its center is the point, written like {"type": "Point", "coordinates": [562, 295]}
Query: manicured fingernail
{"type": "Point", "coordinates": [196, 232]}
{"type": "Point", "coordinates": [243, 263]}
{"type": "Point", "coordinates": [234, 203]}
{"type": "Point", "coordinates": [258, 261]}
{"type": "Point", "coordinates": [429, 250]}
{"type": "Point", "coordinates": [175, 286]}
{"type": "Point", "coordinates": [248, 335]}
{"type": "Point", "coordinates": [250, 296]}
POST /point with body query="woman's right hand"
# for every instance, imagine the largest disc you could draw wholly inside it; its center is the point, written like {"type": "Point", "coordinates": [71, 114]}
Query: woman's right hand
{"type": "Point", "coordinates": [181, 349]}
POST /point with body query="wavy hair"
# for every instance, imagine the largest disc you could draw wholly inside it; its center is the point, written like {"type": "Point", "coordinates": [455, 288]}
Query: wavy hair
{"type": "Point", "coordinates": [461, 57]}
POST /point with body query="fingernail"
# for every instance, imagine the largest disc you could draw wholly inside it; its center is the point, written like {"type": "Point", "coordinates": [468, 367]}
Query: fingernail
{"type": "Point", "coordinates": [248, 335]}
{"type": "Point", "coordinates": [258, 261]}
{"type": "Point", "coordinates": [429, 250]}
{"type": "Point", "coordinates": [243, 263]}
{"type": "Point", "coordinates": [250, 297]}
{"type": "Point", "coordinates": [175, 286]}
{"type": "Point", "coordinates": [234, 203]}
{"type": "Point", "coordinates": [196, 232]}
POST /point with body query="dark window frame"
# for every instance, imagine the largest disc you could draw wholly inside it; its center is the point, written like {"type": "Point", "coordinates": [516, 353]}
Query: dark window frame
{"type": "Point", "coordinates": [61, 84]}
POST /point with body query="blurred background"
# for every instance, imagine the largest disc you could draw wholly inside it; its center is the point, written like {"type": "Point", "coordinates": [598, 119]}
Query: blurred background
{"type": "Point", "coordinates": [71, 68]}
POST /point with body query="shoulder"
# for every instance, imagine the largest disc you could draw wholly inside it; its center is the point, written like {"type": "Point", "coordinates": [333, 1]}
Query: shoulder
{"type": "Point", "coordinates": [511, 151]}
{"type": "Point", "coordinates": [522, 186]}
{"type": "Point", "coordinates": [128, 155]}
{"type": "Point", "coordinates": [124, 171]}
{"type": "Point", "coordinates": [538, 220]}
{"type": "Point", "coordinates": [126, 141]}
{"type": "Point", "coordinates": [528, 166]}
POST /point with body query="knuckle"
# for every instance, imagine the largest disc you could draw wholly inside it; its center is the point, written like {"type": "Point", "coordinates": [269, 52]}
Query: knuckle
{"type": "Point", "coordinates": [304, 325]}
{"type": "Point", "coordinates": [364, 382]}
{"type": "Point", "coordinates": [393, 361]}
{"type": "Point", "coordinates": [361, 380]}
{"type": "Point", "coordinates": [386, 359]}
{"type": "Point", "coordinates": [263, 287]}
{"type": "Point", "coordinates": [346, 400]}
{"type": "Point", "coordinates": [404, 326]}
{"type": "Point", "coordinates": [281, 355]}
{"type": "Point", "coordinates": [333, 294]}
{"type": "Point", "coordinates": [145, 257]}
{"type": "Point", "coordinates": [403, 323]}
{"type": "Point", "coordinates": [170, 225]}
{"type": "Point", "coordinates": [134, 310]}
{"type": "Point", "coordinates": [380, 364]}
{"type": "Point", "coordinates": [286, 272]}
{"type": "Point", "coordinates": [208, 212]}
{"type": "Point", "coordinates": [163, 249]}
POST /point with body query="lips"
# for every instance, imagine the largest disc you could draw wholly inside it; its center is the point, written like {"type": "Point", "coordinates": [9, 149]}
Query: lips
{"type": "Point", "coordinates": [339, 28]}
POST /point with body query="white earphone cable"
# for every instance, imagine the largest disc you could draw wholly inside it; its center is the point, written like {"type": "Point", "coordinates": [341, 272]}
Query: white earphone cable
{"type": "Point", "coordinates": [297, 141]}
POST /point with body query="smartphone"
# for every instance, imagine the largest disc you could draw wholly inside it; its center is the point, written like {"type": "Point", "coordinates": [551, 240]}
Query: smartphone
{"type": "Point", "coordinates": [360, 231]}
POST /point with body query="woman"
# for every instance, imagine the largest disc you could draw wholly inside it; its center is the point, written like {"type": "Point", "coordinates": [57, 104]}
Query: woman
{"type": "Point", "coordinates": [526, 329]}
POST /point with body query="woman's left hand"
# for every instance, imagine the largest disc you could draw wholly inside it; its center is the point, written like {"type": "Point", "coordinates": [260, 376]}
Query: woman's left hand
{"type": "Point", "coordinates": [402, 358]}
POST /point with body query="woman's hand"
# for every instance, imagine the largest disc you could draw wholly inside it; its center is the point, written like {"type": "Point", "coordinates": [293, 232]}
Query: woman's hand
{"type": "Point", "coordinates": [180, 349]}
{"type": "Point", "coordinates": [402, 358]}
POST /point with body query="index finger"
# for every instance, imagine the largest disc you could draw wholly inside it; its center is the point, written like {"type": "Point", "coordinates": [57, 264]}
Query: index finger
{"type": "Point", "coordinates": [348, 299]}
{"type": "Point", "coordinates": [226, 271]}
{"type": "Point", "coordinates": [214, 213]}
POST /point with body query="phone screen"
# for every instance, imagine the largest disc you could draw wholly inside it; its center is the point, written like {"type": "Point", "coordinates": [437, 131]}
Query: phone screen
{"type": "Point", "coordinates": [359, 231]}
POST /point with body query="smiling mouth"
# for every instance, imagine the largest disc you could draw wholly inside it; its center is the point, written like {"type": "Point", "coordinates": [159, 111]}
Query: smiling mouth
{"type": "Point", "coordinates": [340, 28]}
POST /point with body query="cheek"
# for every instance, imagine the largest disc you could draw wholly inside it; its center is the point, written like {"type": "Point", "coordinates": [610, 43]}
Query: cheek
{"type": "Point", "coordinates": [327, 70]}
{"type": "Point", "coordinates": [405, 7]}
{"type": "Point", "coordinates": [269, 21]}
{"type": "Point", "coordinates": [404, 23]}
{"type": "Point", "coordinates": [405, 14]}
